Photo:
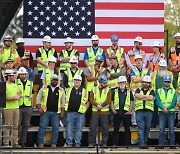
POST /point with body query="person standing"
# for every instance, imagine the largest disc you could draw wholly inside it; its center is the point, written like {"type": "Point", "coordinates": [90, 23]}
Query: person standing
{"type": "Point", "coordinates": [75, 107]}
{"type": "Point", "coordinates": [166, 99]}
{"type": "Point", "coordinates": [92, 52]}
{"type": "Point", "coordinates": [50, 103]}
{"type": "Point", "coordinates": [144, 107]}
{"type": "Point", "coordinates": [11, 111]}
{"type": "Point", "coordinates": [42, 55]}
{"type": "Point", "coordinates": [25, 104]}
{"type": "Point", "coordinates": [121, 106]}
{"type": "Point", "coordinates": [100, 98]}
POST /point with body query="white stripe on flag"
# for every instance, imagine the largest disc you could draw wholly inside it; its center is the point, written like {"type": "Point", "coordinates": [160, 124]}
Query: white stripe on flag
{"type": "Point", "coordinates": [131, 1]}
{"type": "Point", "coordinates": [129, 13]}
{"type": "Point", "coordinates": [87, 42]}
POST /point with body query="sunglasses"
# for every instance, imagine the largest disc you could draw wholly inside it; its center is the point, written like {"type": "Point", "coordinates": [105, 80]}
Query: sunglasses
{"type": "Point", "coordinates": [167, 81]}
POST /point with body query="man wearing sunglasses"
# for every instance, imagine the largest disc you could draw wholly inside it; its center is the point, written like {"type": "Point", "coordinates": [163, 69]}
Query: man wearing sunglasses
{"type": "Point", "coordinates": [166, 99]}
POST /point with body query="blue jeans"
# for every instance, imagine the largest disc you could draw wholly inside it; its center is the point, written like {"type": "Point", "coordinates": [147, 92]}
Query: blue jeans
{"type": "Point", "coordinates": [74, 120]}
{"type": "Point", "coordinates": [53, 117]}
{"type": "Point", "coordinates": [169, 119]}
{"type": "Point", "coordinates": [143, 119]}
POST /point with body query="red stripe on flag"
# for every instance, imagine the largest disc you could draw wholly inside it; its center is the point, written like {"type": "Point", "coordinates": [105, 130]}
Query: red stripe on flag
{"type": "Point", "coordinates": [128, 20]}
{"type": "Point", "coordinates": [132, 35]}
{"type": "Point", "coordinates": [128, 6]}
{"type": "Point", "coordinates": [81, 49]}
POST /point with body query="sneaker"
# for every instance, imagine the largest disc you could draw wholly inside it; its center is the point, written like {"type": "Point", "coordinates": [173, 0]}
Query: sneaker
{"type": "Point", "coordinates": [16, 146]}
{"type": "Point", "coordinates": [77, 146]}
{"type": "Point", "coordinates": [53, 146]}
{"type": "Point", "coordinates": [69, 146]}
{"type": "Point", "coordinates": [23, 145]}
{"type": "Point", "coordinates": [41, 146]}
{"type": "Point", "coordinates": [91, 146]}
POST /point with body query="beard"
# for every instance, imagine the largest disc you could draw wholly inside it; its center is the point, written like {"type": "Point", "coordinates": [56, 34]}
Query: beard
{"type": "Point", "coordinates": [177, 43]}
{"type": "Point", "coordinates": [162, 73]}
{"type": "Point", "coordinates": [95, 45]}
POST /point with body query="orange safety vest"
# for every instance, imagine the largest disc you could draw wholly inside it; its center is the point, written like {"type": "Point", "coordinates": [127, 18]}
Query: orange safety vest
{"type": "Point", "coordinates": [26, 54]}
{"type": "Point", "coordinates": [131, 56]}
{"type": "Point", "coordinates": [155, 67]}
{"type": "Point", "coordinates": [175, 59]}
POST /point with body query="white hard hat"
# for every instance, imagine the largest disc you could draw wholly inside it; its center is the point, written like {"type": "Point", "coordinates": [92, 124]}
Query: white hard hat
{"type": "Point", "coordinates": [52, 59]}
{"type": "Point", "coordinates": [94, 38]}
{"type": "Point", "coordinates": [20, 40]}
{"type": "Point", "coordinates": [177, 35]}
{"type": "Point", "coordinates": [73, 59]}
{"type": "Point", "coordinates": [156, 44]}
{"type": "Point", "coordinates": [163, 63]}
{"type": "Point", "coordinates": [78, 77]}
{"type": "Point", "coordinates": [54, 76]}
{"type": "Point", "coordinates": [68, 40]}
{"type": "Point", "coordinates": [22, 70]}
{"type": "Point", "coordinates": [146, 78]}
{"type": "Point", "coordinates": [47, 39]}
{"type": "Point", "coordinates": [9, 72]}
{"type": "Point", "coordinates": [138, 57]}
{"type": "Point", "coordinates": [138, 39]}
{"type": "Point", "coordinates": [122, 79]}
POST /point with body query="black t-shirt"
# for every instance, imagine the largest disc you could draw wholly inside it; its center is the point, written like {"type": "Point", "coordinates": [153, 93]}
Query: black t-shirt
{"type": "Point", "coordinates": [21, 53]}
{"type": "Point", "coordinates": [144, 93]}
{"type": "Point", "coordinates": [177, 53]}
{"type": "Point", "coordinates": [75, 100]}
{"type": "Point", "coordinates": [122, 98]}
{"type": "Point", "coordinates": [69, 52]}
{"type": "Point", "coordinates": [38, 53]}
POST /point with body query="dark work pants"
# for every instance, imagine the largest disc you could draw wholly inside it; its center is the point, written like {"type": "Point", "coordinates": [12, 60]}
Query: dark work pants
{"type": "Point", "coordinates": [104, 123]}
{"type": "Point", "coordinates": [126, 119]}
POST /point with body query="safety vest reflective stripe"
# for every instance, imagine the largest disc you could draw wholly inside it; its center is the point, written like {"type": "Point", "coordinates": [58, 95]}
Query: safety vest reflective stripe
{"type": "Point", "coordinates": [48, 75]}
{"type": "Point", "coordinates": [166, 100]}
{"type": "Point", "coordinates": [66, 65]}
{"type": "Point", "coordinates": [148, 104]}
{"type": "Point", "coordinates": [127, 100]}
{"type": "Point", "coordinates": [70, 76]}
{"type": "Point", "coordinates": [44, 57]}
{"type": "Point", "coordinates": [92, 56]}
{"type": "Point", "coordinates": [136, 85]}
{"type": "Point", "coordinates": [100, 98]}
{"type": "Point", "coordinates": [26, 95]}
{"type": "Point", "coordinates": [118, 52]}
{"type": "Point", "coordinates": [84, 100]}
{"type": "Point", "coordinates": [45, 97]}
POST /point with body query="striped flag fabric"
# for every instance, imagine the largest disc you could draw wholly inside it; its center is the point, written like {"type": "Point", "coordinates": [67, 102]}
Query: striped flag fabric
{"type": "Point", "coordinates": [80, 19]}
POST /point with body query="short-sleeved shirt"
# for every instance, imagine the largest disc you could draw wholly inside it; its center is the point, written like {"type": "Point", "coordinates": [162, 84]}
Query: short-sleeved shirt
{"type": "Point", "coordinates": [86, 57]}
{"type": "Point", "coordinates": [38, 53]}
{"type": "Point", "coordinates": [122, 98]}
{"type": "Point", "coordinates": [144, 93]}
{"type": "Point", "coordinates": [21, 53]}
{"type": "Point", "coordinates": [43, 76]}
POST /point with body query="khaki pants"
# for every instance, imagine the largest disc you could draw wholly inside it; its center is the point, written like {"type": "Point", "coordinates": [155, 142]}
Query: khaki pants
{"type": "Point", "coordinates": [11, 118]}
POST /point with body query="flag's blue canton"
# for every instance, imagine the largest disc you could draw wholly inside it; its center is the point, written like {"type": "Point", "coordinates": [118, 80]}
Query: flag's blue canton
{"type": "Point", "coordinates": [59, 18]}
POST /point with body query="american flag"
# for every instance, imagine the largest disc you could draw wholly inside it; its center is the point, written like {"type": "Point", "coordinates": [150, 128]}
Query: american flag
{"type": "Point", "coordinates": [80, 19]}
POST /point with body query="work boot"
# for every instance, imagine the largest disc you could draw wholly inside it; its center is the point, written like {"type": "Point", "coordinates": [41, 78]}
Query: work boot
{"type": "Point", "coordinates": [41, 146]}
{"type": "Point", "coordinates": [53, 146]}
{"type": "Point", "coordinates": [16, 146]}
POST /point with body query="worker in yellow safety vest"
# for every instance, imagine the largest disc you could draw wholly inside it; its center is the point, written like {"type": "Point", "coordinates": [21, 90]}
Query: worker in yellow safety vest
{"type": "Point", "coordinates": [75, 107]}
{"type": "Point", "coordinates": [114, 71]}
{"type": "Point", "coordinates": [136, 50]}
{"type": "Point", "coordinates": [11, 111]}
{"type": "Point", "coordinates": [136, 75]}
{"type": "Point", "coordinates": [115, 49]}
{"type": "Point", "coordinates": [51, 70]}
{"type": "Point", "coordinates": [70, 73]}
{"type": "Point", "coordinates": [50, 104]}
{"type": "Point", "coordinates": [25, 104]}
{"type": "Point", "coordinates": [92, 52]}
{"type": "Point", "coordinates": [166, 99]}
{"type": "Point", "coordinates": [93, 72]}
{"type": "Point", "coordinates": [66, 54]}
{"type": "Point", "coordinates": [7, 51]}
{"type": "Point", "coordinates": [144, 107]}
{"type": "Point", "coordinates": [100, 98]}
{"type": "Point", "coordinates": [121, 106]}
{"type": "Point", "coordinates": [42, 55]}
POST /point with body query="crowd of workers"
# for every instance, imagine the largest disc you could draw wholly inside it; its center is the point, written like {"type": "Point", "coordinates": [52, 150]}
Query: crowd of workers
{"type": "Point", "coordinates": [134, 88]}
